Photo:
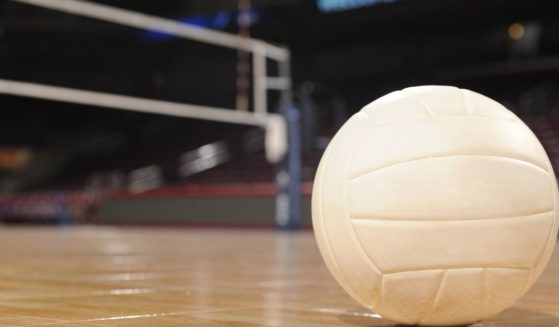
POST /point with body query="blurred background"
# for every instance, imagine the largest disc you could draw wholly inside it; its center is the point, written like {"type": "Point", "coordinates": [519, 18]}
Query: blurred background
{"type": "Point", "coordinates": [64, 163]}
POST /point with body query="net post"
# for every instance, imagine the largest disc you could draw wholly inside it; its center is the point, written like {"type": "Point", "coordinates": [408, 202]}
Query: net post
{"type": "Point", "coordinates": [63, 214]}
{"type": "Point", "coordinates": [288, 176]}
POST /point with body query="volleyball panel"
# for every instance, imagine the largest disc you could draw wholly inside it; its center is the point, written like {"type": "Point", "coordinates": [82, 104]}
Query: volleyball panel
{"type": "Point", "coordinates": [413, 245]}
{"type": "Point", "coordinates": [434, 137]}
{"type": "Point", "coordinates": [379, 111]}
{"type": "Point", "coordinates": [410, 296]}
{"type": "Point", "coordinates": [450, 188]}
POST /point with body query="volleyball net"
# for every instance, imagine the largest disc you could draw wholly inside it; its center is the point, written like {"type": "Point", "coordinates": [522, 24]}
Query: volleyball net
{"type": "Point", "coordinates": [261, 54]}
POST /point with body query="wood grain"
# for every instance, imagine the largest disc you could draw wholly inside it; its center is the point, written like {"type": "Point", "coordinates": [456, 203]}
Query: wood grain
{"type": "Point", "coordinates": [100, 276]}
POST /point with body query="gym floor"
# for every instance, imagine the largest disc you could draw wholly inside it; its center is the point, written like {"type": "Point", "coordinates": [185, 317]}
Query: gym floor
{"type": "Point", "coordinates": [107, 276]}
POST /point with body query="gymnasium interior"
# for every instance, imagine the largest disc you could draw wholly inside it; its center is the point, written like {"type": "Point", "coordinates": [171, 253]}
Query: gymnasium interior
{"type": "Point", "coordinates": [157, 158]}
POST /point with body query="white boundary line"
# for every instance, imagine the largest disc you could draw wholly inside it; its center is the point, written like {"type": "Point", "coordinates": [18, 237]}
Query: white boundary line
{"type": "Point", "coordinates": [149, 22]}
{"type": "Point", "coordinates": [123, 102]}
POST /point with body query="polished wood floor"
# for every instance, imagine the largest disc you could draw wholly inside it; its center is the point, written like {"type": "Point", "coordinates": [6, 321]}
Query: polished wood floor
{"type": "Point", "coordinates": [96, 276]}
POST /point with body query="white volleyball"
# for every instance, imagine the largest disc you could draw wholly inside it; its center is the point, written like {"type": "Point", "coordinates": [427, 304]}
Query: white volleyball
{"type": "Point", "coordinates": [435, 205]}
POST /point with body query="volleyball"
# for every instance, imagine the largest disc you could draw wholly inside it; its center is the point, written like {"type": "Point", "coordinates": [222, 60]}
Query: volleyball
{"type": "Point", "coordinates": [435, 205]}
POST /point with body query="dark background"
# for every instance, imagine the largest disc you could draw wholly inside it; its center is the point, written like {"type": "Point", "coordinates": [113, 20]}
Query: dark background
{"type": "Point", "coordinates": [351, 57]}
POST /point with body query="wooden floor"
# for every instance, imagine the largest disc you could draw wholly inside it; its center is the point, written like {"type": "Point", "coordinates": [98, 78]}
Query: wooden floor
{"type": "Point", "coordinates": [93, 276]}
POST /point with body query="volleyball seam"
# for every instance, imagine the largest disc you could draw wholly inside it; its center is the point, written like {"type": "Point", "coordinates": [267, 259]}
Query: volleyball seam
{"type": "Point", "coordinates": [420, 100]}
{"type": "Point", "coordinates": [420, 220]}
